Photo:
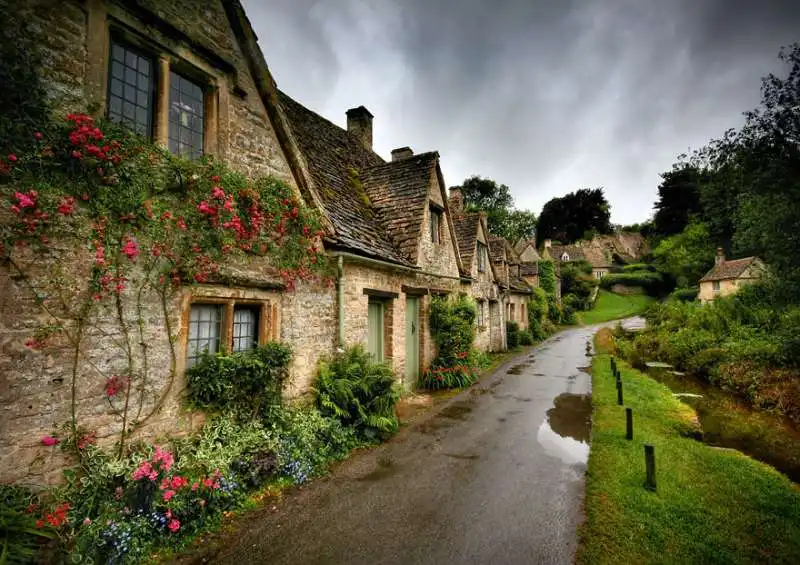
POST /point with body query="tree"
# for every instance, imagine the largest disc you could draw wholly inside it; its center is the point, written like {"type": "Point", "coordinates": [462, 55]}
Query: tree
{"type": "Point", "coordinates": [678, 200]}
{"type": "Point", "coordinates": [495, 199]}
{"type": "Point", "coordinates": [687, 256]}
{"type": "Point", "coordinates": [570, 217]}
{"type": "Point", "coordinates": [577, 284]}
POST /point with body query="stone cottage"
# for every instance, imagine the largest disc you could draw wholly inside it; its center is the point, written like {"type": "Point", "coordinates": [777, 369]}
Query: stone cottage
{"type": "Point", "coordinates": [190, 76]}
{"type": "Point", "coordinates": [726, 277]}
{"type": "Point", "coordinates": [516, 291]}
{"type": "Point", "coordinates": [480, 279]}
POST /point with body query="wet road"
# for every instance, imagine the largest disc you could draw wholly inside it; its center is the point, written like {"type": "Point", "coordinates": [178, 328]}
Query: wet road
{"type": "Point", "coordinates": [495, 475]}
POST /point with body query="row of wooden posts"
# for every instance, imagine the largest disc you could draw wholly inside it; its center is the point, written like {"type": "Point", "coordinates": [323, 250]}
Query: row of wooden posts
{"type": "Point", "coordinates": [649, 450]}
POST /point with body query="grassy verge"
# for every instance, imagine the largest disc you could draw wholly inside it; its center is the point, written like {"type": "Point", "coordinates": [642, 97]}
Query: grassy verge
{"type": "Point", "coordinates": [712, 505]}
{"type": "Point", "coordinates": [610, 306]}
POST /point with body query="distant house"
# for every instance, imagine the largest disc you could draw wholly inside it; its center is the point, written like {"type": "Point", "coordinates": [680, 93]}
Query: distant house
{"type": "Point", "coordinates": [725, 277]}
{"type": "Point", "coordinates": [516, 291]}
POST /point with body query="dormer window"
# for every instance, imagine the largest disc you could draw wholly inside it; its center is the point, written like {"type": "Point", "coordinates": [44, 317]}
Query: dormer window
{"type": "Point", "coordinates": [436, 225]}
{"type": "Point", "coordinates": [565, 257]}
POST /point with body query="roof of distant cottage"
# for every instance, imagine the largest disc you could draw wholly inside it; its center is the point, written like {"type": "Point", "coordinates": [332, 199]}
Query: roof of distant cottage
{"type": "Point", "coordinates": [732, 269]}
{"type": "Point", "coordinates": [529, 269]}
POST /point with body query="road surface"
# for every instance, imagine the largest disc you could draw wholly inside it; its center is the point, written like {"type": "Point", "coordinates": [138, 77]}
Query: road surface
{"type": "Point", "coordinates": [493, 476]}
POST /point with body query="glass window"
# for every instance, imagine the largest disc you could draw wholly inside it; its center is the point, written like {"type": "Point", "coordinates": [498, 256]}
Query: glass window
{"type": "Point", "coordinates": [436, 220]}
{"type": "Point", "coordinates": [130, 89]}
{"type": "Point", "coordinates": [715, 286]}
{"type": "Point", "coordinates": [204, 330]}
{"type": "Point", "coordinates": [245, 328]}
{"type": "Point", "coordinates": [375, 330]}
{"type": "Point", "coordinates": [481, 257]}
{"type": "Point", "coordinates": [481, 317]}
{"type": "Point", "coordinates": [186, 114]}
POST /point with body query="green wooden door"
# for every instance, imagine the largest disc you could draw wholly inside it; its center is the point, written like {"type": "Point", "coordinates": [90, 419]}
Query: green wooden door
{"type": "Point", "coordinates": [375, 330]}
{"type": "Point", "coordinates": [412, 342]}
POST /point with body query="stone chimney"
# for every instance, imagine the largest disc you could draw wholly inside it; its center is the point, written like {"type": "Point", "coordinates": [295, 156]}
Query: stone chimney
{"type": "Point", "coordinates": [456, 199]}
{"type": "Point", "coordinates": [402, 153]}
{"type": "Point", "coordinates": [548, 243]}
{"type": "Point", "coordinates": [359, 123]}
{"type": "Point", "coordinates": [720, 258]}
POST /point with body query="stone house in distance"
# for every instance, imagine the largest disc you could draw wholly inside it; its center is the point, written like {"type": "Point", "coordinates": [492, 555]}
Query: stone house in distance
{"type": "Point", "coordinates": [190, 76]}
{"type": "Point", "coordinates": [516, 290]}
{"type": "Point", "coordinates": [727, 277]}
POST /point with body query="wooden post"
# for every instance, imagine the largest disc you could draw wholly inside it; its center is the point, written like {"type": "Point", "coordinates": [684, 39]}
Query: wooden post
{"type": "Point", "coordinates": [613, 366]}
{"type": "Point", "coordinates": [619, 393]}
{"type": "Point", "coordinates": [650, 467]}
{"type": "Point", "coordinates": [628, 423]}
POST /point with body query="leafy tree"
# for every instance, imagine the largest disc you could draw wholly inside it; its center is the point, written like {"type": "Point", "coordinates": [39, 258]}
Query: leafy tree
{"type": "Point", "coordinates": [687, 256]}
{"type": "Point", "coordinates": [678, 200]}
{"type": "Point", "coordinates": [577, 284]}
{"type": "Point", "coordinates": [501, 217]}
{"type": "Point", "coordinates": [570, 217]}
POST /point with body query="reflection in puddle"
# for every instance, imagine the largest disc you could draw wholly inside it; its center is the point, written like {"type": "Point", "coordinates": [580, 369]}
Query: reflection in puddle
{"type": "Point", "coordinates": [565, 432]}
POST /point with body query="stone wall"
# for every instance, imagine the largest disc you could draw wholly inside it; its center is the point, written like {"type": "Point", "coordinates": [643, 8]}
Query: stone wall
{"type": "Point", "coordinates": [520, 303]}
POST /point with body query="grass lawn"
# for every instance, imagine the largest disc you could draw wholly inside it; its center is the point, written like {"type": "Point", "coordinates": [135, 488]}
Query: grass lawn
{"type": "Point", "coordinates": [610, 306]}
{"type": "Point", "coordinates": [711, 506]}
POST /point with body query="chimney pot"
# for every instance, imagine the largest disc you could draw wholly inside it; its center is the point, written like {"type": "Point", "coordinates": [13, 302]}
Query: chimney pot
{"type": "Point", "coordinates": [720, 258]}
{"type": "Point", "coordinates": [548, 243]}
{"type": "Point", "coordinates": [359, 123]}
{"type": "Point", "coordinates": [402, 153]}
{"type": "Point", "coordinates": [456, 200]}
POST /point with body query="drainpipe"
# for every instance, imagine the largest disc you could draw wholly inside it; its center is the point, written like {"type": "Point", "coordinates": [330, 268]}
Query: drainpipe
{"type": "Point", "coordinates": [340, 289]}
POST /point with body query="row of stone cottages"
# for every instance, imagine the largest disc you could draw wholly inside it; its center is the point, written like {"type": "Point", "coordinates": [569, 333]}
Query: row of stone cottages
{"type": "Point", "coordinates": [191, 76]}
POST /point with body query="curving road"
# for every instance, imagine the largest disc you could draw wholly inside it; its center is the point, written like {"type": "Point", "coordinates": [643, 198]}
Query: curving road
{"type": "Point", "coordinates": [495, 475]}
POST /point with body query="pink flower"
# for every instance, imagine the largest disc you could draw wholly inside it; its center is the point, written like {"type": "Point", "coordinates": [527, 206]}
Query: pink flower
{"type": "Point", "coordinates": [34, 343]}
{"type": "Point", "coordinates": [49, 441]}
{"type": "Point", "coordinates": [195, 486]}
{"type": "Point", "coordinates": [205, 208]}
{"type": "Point", "coordinates": [38, 135]}
{"type": "Point", "coordinates": [164, 458]}
{"type": "Point", "coordinates": [26, 200]}
{"type": "Point", "coordinates": [208, 483]}
{"type": "Point", "coordinates": [100, 255]}
{"type": "Point", "coordinates": [174, 525]}
{"type": "Point", "coordinates": [67, 206]}
{"type": "Point", "coordinates": [12, 158]}
{"type": "Point", "coordinates": [131, 249]}
{"type": "Point", "coordinates": [218, 193]}
{"type": "Point", "coordinates": [145, 470]}
{"type": "Point", "coordinates": [178, 482]}
{"type": "Point", "coordinates": [87, 521]}
{"type": "Point", "coordinates": [168, 495]}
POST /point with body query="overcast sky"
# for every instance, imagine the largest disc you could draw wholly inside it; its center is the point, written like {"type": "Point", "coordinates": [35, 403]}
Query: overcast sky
{"type": "Point", "coordinates": [544, 96]}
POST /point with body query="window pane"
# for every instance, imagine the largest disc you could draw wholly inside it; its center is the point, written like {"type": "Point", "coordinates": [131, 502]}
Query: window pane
{"type": "Point", "coordinates": [204, 330]}
{"type": "Point", "coordinates": [130, 89]}
{"type": "Point", "coordinates": [245, 328]}
{"type": "Point", "coordinates": [186, 115]}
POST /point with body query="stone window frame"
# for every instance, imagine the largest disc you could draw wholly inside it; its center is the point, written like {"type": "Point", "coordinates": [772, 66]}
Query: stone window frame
{"type": "Point", "coordinates": [268, 318]}
{"type": "Point", "coordinates": [480, 319]}
{"type": "Point", "coordinates": [716, 287]}
{"type": "Point", "coordinates": [110, 22]}
{"type": "Point", "coordinates": [387, 301]}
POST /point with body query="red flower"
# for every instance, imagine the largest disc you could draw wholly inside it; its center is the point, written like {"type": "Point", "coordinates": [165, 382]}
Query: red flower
{"type": "Point", "coordinates": [168, 495]}
{"type": "Point", "coordinates": [49, 441]}
{"type": "Point", "coordinates": [12, 158]}
{"type": "Point", "coordinates": [67, 206]}
{"type": "Point", "coordinates": [131, 249]}
{"type": "Point", "coordinates": [38, 135]}
{"type": "Point", "coordinates": [174, 525]}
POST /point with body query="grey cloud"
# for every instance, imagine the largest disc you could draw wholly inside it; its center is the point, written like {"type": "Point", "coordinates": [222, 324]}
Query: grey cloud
{"type": "Point", "coordinates": [545, 97]}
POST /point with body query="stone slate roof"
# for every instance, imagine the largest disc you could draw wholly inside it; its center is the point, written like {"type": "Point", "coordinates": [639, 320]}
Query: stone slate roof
{"type": "Point", "coordinates": [575, 253]}
{"type": "Point", "coordinates": [518, 284]}
{"type": "Point", "coordinates": [596, 256]}
{"type": "Point", "coordinates": [336, 160]}
{"type": "Point", "coordinates": [497, 248]}
{"type": "Point", "coordinates": [398, 192]}
{"type": "Point", "coordinates": [466, 228]}
{"type": "Point", "coordinates": [529, 269]}
{"type": "Point", "coordinates": [729, 269]}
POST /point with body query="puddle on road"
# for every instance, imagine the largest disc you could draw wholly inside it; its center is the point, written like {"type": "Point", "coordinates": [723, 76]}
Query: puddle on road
{"type": "Point", "coordinates": [467, 456]}
{"type": "Point", "coordinates": [456, 411]}
{"type": "Point", "coordinates": [385, 469]}
{"type": "Point", "coordinates": [565, 432]}
{"type": "Point", "coordinates": [517, 369]}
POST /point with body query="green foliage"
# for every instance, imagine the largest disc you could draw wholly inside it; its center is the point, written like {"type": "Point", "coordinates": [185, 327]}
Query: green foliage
{"type": "Point", "coordinates": [537, 314]}
{"type": "Point", "coordinates": [547, 277]}
{"type": "Point", "coordinates": [684, 294]}
{"type": "Point", "coordinates": [452, 323]}
{"type": "Point", "coordinates": [652, 283]}
{"type": "Point", "coordinates": [19, 536]}
{"type": "Point", "coordinates": [568, 218]}
{"type": "Point", "coordinates": [577, 285]}
{"type": "Point", "coordinates": [512, 335]}
{"type": "Point", "coordinates": [678, 200]}
{"type": "Point", "coordinates": [525, 337]}
{"type": "Point", "coordinates": [358, 392]}
{"type": "Point", "coordinates": [495, 199]}
{"type": "Point", "coordinates": [686, 257]}
{"type": "Point", "coordinates": [244, 382]}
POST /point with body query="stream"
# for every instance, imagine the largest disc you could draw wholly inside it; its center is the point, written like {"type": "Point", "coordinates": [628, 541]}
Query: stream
{"type": "Point", "coordinates": [729, 422]}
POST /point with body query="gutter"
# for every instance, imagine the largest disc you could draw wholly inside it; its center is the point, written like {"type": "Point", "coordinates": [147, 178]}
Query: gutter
{"type": "Point", "coordinates": [387, 265]}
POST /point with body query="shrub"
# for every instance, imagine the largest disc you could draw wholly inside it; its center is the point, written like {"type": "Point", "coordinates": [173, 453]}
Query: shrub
{"type": "Point", "coordinates": [359, 392]}
{"type": "Point", "coordinates": [243, 382]}
{"type": "Point", "coordinates": [525, 338]}
{"type": "Point", "coordinates": [537, 310]}
{"type": "Point", "coordinates": [652, 283]}
{"type": "Point", "coordinates": [638, 267]}
{"type": "Point", "coordinates": [19, 535]}
{"type": "Point", "coordinates": [512, 334]}
{"type": "Point", "coordinates": [684, 294]}
{"type": "Point", "coordinates": [452, 322]}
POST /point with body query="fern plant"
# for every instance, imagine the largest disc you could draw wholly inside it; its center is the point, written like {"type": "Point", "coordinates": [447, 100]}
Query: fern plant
{"type": "Point", "coordinates": [360, 393]}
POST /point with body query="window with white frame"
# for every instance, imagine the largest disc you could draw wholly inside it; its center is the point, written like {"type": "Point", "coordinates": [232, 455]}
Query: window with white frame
{"type": "Point", "coordinates": [205, 334]}
{"type": "Point", "coordinates": [225, 325]}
